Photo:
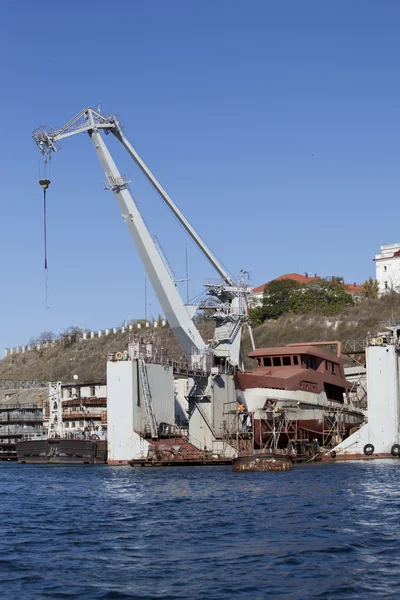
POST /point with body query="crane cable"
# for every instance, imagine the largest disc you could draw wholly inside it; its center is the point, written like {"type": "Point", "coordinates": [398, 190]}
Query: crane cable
{"type": "Point", "coordinates": [44, 184]}
{"type": "Point", "coordinates": [45, 228]}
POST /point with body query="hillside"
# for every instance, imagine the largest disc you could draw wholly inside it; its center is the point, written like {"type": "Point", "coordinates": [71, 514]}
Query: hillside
{"type": "Point", "coordinates": [88, 358]}
{"type": "Point", "coordinates": [354, 323]}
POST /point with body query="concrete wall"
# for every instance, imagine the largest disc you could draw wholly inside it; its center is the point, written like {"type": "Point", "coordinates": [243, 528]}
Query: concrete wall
{"type": "Point", "coordinates": [388, 268]}
{"type": "Point", "coordinates": [125, 408]}
{"type": "Point", "coordinates": [382, 428]}
{"type": "Point", "coordinates": [87, 335]}
{"type": "Point", "coordinates": [161, 382]}
{"type": "Point", "coordinates": [383, 397]}
{"type": "Point", "coordinates": [122, 440]}
{"type": "Point", "coordinates": [84, 391]}
{"type": "Point", "coordinates": [181, 392]}
{"type": "Point", "coordinates": [220, 392]}
{"type": "Point", "coordinates": [223, 388]}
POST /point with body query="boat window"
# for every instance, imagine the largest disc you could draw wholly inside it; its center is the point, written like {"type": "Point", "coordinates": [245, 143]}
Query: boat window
{"type": "Point", "coordinates": [276, 361]}
{"type": "Point", "coordinates": [286, 361]}
{"type": "Point", "coordinates": [295, 360]}
{"type": "Point", "coordinates": [334, 392]}
{"type": "Point", "coordinates": [267, 361]}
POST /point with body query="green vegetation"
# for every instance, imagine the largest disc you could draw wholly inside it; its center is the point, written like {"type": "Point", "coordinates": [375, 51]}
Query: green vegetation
{"type": "Point", "coordinates": [323, 297]}
{"type": "Point", "coordinates": [352, 323]}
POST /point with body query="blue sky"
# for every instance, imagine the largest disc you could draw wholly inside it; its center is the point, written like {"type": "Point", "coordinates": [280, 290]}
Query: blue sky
{"type": "Point", "coordinates": [273, 125]}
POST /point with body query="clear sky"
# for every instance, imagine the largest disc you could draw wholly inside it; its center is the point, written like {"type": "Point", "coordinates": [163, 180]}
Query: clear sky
{"type": "Point", "coordinates": [273, 125]}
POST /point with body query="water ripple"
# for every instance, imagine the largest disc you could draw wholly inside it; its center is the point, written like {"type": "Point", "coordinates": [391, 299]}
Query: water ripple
{"type": "Point", "coordinates": [319, 532]}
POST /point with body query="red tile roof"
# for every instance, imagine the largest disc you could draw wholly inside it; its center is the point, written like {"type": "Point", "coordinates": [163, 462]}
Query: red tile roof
{"type": "Point", "coordinates": [351, 288]}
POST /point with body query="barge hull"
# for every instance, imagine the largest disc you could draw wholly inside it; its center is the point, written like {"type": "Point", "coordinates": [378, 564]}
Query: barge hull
{"type": "Point", "coordinates": [61, 451]}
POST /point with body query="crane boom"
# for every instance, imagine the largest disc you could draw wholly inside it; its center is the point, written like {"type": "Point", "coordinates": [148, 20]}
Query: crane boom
{"type": "Point", "coordinates": [119, 134]}
{"type": "Point", "coordinates": [230, 313]}
{"type": "Point", "coordinates": [174, 309]}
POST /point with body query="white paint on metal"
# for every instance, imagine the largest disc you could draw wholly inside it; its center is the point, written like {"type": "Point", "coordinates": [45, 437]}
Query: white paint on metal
{"type": "Point", "coordinates": [382, 428]}
{"type": "Point", "coordinates": [123, 442]}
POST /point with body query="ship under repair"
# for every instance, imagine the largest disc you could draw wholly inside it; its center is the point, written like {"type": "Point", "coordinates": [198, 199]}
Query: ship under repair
{"type": "Point", "coordinates": [301, 384]}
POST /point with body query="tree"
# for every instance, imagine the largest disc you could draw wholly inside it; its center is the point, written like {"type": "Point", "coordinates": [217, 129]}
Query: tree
{"type": "Point", "coordinates": [325, 297]}
{"type": "Point", "coordinates": [370, 289]}
{"type": "Point", "coordinates": [277, 297]}
{"type": "Point", "coordinates": [71, 335]}
{"type": "Point", "coordinates": [256, 315]}
{"type": "Point", "coordinates": [46, 336]}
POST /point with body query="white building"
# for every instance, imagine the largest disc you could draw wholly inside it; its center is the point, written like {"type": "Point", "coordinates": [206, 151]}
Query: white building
{"type": "Point", "coordinates": [388, 268]}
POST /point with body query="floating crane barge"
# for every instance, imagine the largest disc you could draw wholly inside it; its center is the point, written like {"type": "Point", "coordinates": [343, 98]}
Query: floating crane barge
{"type": "Point", "coordinates": [216, 361]}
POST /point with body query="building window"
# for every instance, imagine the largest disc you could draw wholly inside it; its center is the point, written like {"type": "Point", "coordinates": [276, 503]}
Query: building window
{"type": "Point", "coordinates": [92, 390]}
{"type": "Point", "coordinates": [267, 361]}
{"type": "Point", "coordinates": [80, 423]}
{"type": "Point", "coordinates": [386, 285]}
{"type": "Point", "coordinates": [385, 268]}
{"type": "Point", "coordinates": [276, 361]}
{"type": "Point", "coordinates": [295, 360]}
{"type": "Point", "coordinates": [286, 361]}
{"type": "Point", "coordinates": [73, 424]}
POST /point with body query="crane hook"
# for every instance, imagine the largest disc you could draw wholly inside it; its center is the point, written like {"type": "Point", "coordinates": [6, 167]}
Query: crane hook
{"type": "Point", "coordinates": [44, 183]}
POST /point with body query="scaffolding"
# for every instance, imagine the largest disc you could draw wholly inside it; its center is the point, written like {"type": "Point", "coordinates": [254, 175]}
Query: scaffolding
{"type": "Point", "coordinates": [277, 429]}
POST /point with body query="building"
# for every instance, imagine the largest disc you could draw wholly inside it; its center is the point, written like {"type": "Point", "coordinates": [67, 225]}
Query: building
{"type": "Point", "coordinates": [84, 408]}
{"type": "Point", "coordinates": [21, 416]}
{"type": "Point", "coordinates": [387, 265]}
{"type": "Point", "coordinates": [257, 293]}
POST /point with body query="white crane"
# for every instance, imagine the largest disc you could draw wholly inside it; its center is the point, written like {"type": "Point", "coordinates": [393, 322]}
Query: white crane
{"type": "Point", "coordinates": [231, 310]}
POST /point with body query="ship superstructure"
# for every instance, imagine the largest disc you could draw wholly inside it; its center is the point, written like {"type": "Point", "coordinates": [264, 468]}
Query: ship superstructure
{"type": "Point", "coordinates": [302, 383]}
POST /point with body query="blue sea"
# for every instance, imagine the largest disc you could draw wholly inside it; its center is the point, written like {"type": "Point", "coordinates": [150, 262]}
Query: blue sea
{"type": "Point", "coordinates": [320, 531]}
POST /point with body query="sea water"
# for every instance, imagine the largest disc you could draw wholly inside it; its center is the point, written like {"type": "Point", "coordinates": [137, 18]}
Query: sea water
{"type": "Point", "coordinates": [319, 531]}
